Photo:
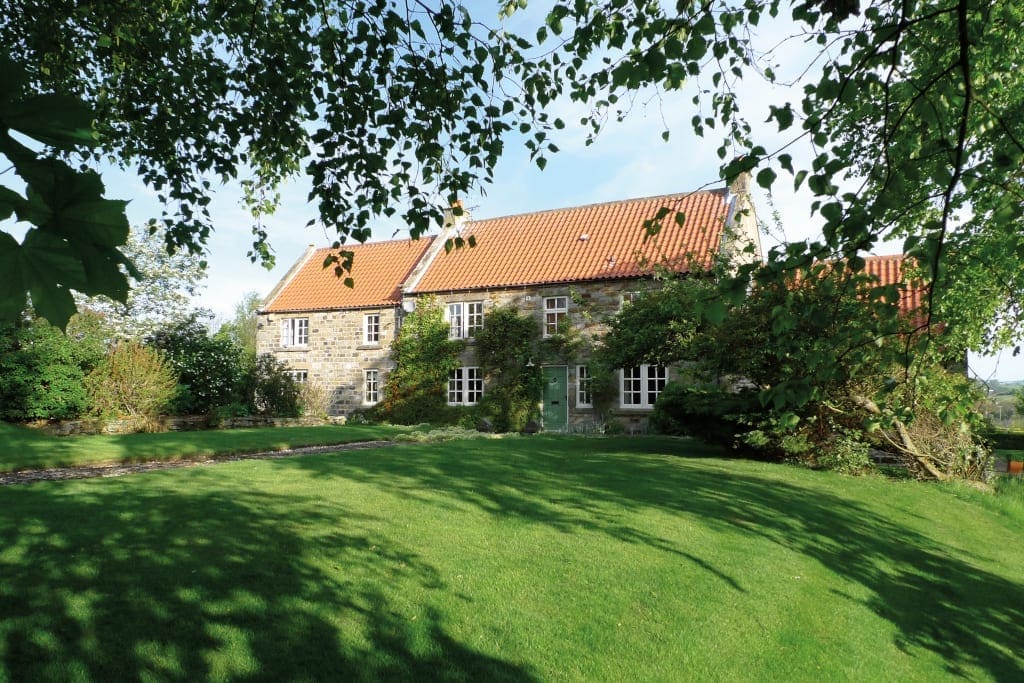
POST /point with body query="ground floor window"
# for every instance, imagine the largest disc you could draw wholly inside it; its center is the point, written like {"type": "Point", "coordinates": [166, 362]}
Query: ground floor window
{"type": "Point", "coordinates": [465, 386]}
{"type": "Point", "coordinates": [642, 384]}
{"type": "Point", "coordinates": [371, 387]}
{"type": "Point", "coordinates": [583, 396]}
{"type": "Point", "coordinates": [300, 376]}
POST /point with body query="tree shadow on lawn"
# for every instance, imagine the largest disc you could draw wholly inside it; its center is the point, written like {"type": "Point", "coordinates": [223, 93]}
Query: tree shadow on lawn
{"type": "Point", "coordinates": [938, 600]}
{"type": "Point", "coordinates": [106, 581]}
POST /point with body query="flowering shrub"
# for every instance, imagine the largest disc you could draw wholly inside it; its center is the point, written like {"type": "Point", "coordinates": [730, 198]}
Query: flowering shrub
{"type": "Point", "coordinates": [132, 381]}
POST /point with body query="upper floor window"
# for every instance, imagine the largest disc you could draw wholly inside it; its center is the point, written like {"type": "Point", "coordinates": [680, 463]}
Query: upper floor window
{"type": "Point", "coordinates": [465, 386]}
{"type": "Point", "coordinates": [371, 387]}
{"type": "Point", "coordinates": [295, 332]}
{"type": "Point", "coordinates": [583, 396]}
{"type": "Point", "coordinates": [642, 384]}
{"type": "Point", "coordinates": [556, 309]}
{"type": "Point", "coordinates": [465, 319]}
{"type": "Point", "coordinates": [371, 328]}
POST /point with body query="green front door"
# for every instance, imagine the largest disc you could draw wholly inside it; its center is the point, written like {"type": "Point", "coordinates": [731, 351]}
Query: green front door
{"type": "Point", "coordinates": [556, 398]}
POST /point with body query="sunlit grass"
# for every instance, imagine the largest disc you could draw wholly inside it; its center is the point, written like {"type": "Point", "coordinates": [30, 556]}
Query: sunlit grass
{"type": "Point", "coordinates": [539, 558]}
{"type": "Point", "coordinates": [24, 448]}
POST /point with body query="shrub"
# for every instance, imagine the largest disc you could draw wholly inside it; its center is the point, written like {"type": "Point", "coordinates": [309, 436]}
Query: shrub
{"type": "Point", "coordinates": [132, 381]}
{"type": "Point", "coordinates": [707, 413]}
{"type": "Point", "coordinates": [1005, 440]}
{"type": "Point", "coordinates": [42, 372]}
{"type": "Point", "coordinates": [210, 369]}
{"type": "Point", "coordinates": [314, 399]}
{"type": "Point", "coordinates": [269, 390]}
{"type": "Point", "coordinates": [846, 453]}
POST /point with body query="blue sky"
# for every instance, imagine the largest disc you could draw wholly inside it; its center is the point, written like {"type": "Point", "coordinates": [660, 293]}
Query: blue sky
{"type": "Point", "coordinates": [629, 159]}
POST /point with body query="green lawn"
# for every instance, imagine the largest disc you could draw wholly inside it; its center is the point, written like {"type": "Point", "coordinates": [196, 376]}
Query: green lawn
{"type": "Point", "coordinates": [23, 448]}
{"type": "Point", "coordinates": [531, 558]}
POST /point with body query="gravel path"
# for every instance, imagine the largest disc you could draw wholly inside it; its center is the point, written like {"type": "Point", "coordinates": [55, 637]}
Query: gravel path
{"type": "Point", "coordinates": [117, 470]}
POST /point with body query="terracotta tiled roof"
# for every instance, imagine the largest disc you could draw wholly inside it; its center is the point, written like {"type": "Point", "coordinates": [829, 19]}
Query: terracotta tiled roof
{"type": "Point", "coordinates": [378, 270]}
{"type": "Point", "coordinates": [889, 271]}
{"type": "Point", "coordinates": [596, 242]}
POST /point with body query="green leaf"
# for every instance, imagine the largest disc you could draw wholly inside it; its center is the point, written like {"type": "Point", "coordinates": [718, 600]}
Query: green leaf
{"type": "Point", "coordinates": [766, 177]}
{"type": "Point", "coordinates": [53, 302]}
{"type": "Point", "coordinates": [715, 312]}
{"type": "Point", "coordinates": [10, 202]}
{"type": "Point", "coordinates": [789, 420]}
{"type": "Point", "coordinates": [61, 121]}
{"type": "Point", "coordinates": [12, 291]}
{"type": "Point", "coordinates": [103, 275]}
{"type": "Point", "coordinates": [12, 78]}
{"type": "Point", "coordinates": [46, 257]}
{"type": "Point", "coordinates": [68, 203]}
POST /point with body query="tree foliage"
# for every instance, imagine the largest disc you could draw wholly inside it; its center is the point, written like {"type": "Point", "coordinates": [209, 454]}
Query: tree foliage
{"type": "Point", "coordinates": [241, 329]}
{"type": "Point", "coordinates": [161, 293]}
{"type": "Point", "coordinates": [843, 369]}
{"type": "Point", "coordinates": [382, 104]}
{"type": "Point", "coordinates": [905, 123]}
{"type": "Point", "coordinates": [209, 369]}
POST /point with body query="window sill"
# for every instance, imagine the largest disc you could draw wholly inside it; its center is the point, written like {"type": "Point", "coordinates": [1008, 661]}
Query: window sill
{"type": "Point", "coordinates": [368, 347]}
{"type": "Point", "coordinates": [292, 349]}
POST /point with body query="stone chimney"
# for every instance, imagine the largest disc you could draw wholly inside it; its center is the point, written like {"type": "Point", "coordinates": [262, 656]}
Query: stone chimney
{"type": "Point", "coordinates": [456, 217]}
{"type": "Point", "coordinates": [741, 184]}
{"type": "Point", "coordinates": [741, 226]}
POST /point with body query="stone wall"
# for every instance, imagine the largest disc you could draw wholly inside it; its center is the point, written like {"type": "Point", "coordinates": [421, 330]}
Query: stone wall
{"type": "Point", "coordinates": [336, 356]}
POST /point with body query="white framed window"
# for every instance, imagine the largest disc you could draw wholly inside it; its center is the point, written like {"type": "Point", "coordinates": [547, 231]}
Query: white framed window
{"type": "Point", "coordinates": [642, 384]}
{"type": "Point", "coordinates": [474, 317]}
{"type": "Point", "coordinates": [295, 332]}
{"type": "Point", "coordinates": [584, 399]}
{"type": "Point", "coordinates": [628, 298]}
{"type": "Point", "coordinates": [465, 386]}
{"type": "Point", "coordinates": [556, 308]}
{"type": "Point", "coordinates": [299, 376]}
{"type": "Point", "coordinates": [465, 319]}
{"type": "Point", "coordinates": [371, 328]}
{"type": "Point", "coordinates": [371, 386]}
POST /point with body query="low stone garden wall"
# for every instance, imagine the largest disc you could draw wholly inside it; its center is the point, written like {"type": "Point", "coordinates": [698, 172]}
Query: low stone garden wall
{"type": "Point", "coordinates": [181, 423]}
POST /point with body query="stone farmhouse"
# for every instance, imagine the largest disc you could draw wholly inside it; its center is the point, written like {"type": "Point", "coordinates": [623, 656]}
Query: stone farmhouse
{"type": "Point", "coordinates": [565, 267]}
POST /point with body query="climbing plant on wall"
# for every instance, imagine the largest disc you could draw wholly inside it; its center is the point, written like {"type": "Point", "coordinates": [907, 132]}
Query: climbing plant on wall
{"type": "Point", "coordinates": [415, 391]}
